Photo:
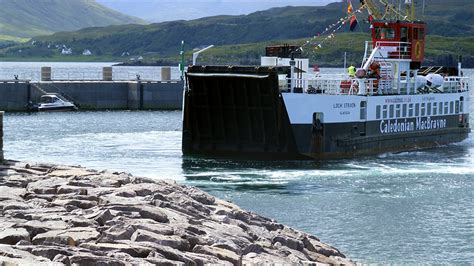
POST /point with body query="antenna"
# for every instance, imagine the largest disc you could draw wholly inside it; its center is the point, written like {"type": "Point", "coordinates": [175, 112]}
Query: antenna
{"type": "Point", "coordinates": [423, 12]}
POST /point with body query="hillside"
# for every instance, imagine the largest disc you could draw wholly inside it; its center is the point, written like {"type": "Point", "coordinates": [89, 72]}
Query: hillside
{"type": "Point", "coordinates": [161, 40]}
{"type": "Point", "coordinates": [28, 18]}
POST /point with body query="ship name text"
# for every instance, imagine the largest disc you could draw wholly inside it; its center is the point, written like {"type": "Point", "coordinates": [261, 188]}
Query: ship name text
{"type": "Point", "coordinates": [419, 124]}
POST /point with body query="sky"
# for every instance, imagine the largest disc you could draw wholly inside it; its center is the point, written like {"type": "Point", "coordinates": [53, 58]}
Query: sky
{"type": "Point", "coordinates": [168, 10]}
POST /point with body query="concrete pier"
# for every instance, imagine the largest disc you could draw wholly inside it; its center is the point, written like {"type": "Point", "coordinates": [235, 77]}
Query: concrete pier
{"type": "Point", "coordinates": [1, 137]}
{"type": "Point", "coordinates": [95, 95]}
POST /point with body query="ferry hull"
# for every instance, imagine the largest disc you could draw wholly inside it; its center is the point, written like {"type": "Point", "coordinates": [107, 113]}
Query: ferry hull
{"type": "Point", "coordinates": [336, 144]}
{"type": "Point", "coordinates": [241, 113]}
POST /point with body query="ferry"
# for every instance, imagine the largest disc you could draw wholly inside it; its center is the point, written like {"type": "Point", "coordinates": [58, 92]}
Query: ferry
{"type": "Point", "coordinates": [280, 110]}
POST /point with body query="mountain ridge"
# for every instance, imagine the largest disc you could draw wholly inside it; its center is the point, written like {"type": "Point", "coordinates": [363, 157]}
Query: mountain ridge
{"type": "Point", "coordinates": [28, 18]}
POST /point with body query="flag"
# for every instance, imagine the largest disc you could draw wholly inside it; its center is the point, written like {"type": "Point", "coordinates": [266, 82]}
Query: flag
{"type": "Point", "coordinates": [353, 23]}
{"type": "Point", "coordinates": [349, 7]}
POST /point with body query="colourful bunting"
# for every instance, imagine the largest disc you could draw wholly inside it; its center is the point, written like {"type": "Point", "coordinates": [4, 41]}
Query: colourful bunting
{"type": "Point", "coordinates": [333, 28]}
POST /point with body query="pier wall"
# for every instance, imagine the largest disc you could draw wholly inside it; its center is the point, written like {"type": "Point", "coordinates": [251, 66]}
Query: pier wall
{"type": "Point", "coordinates": [96, 95]}
{"type": "Point", "coordinates": [1, 137]}
{"type": "Point", "coordinates": [13, 96]}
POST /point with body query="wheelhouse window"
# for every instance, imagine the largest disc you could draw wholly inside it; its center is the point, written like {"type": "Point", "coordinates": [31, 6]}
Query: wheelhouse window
{"type": "Point", "coordinates": [419, 34]}
{"type": "Point", "coordinates": [382, 33]}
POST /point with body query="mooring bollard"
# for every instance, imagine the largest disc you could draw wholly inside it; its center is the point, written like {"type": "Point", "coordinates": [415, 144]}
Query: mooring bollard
{"type": "Point", "coordinates": [45, 73]}
{"type": "Point", "coordinates": [165, 74]}
{"type": "Point", "coordinates": [107, 73]}
{"type": "Point", "coordinates": [1, 136]}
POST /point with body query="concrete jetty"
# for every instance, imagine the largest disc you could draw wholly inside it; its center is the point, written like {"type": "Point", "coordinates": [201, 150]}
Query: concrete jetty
{"type": "Point", "coordinates": [102, 94]}
{"type": "Point", "coordinates": [69, 215]}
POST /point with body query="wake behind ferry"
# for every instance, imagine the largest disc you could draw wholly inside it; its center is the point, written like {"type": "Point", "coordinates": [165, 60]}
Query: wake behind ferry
{"type": "Point", "coordinates": [279, 110]}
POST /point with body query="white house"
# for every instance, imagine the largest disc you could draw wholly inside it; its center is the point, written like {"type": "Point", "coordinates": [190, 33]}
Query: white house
{"type": "Point", "coordinates": [86, 52]}
{"type": "Point", "coordinates": [66, 51]}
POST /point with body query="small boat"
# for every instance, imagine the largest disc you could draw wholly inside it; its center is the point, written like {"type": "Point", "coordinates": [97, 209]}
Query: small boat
{"type": "Point", "coordinates": [55, 102]}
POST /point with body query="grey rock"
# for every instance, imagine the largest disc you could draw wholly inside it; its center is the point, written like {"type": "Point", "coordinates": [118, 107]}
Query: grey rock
{"type": "Point", "coordinates": [83, 204]}
{"type": "Point", "coordinates": [119, 232]}
{"type": "Point", "coordinates": [131, 249]}
{"type": "Point", "coordinates": [67, 189]}
{"type": "Point", "coordinates": [199, 196]}
{"type": "Point", "coordinates": [18, 257]}
{"type": "Point", "coordinates": [289, 242]}
{"type": "Point", "coordinates": [11, 236]}
{"type": "Point", "coordinates": [169, 241]}
{"type": "Point", "coordinates": [220, 253]}
{"type": "Point", "coordinates": [38, 227]}
{"type": "Point", "coordinates": [253, 248]}
{"type": "Point", "coordinates": [152, 226]}
{"type": "Point", "coordinates": [69, 237]}
{"type": "Point", "coordinates": [101, 216]}
{"type": "Point", "coordinates": [50, 252]}
{"type": "Point", "coordinates": [46, 186]}
{"type": "Point", "coordinates": [169, 253]}
{"type": "Point", "coordinates": [9, 193]}
{"type": "Point", "coordinates": [62, 259]}
{"type": "Point", "coordinates": [144, 211]}
{"type": "Point", "coordinates": [89, 259]}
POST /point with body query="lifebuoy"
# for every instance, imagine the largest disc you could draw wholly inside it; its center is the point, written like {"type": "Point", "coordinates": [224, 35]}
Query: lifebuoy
{"type": "Point", "coordinates": [418, 50]}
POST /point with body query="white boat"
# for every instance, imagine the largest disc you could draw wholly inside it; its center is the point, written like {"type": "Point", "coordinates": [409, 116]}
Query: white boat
{"type": "Point", "coordinates": [54, 102]}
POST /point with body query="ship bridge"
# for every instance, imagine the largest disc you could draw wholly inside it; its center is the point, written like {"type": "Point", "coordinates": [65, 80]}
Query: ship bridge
{"type": "Point", "coordinates": [397, 41]}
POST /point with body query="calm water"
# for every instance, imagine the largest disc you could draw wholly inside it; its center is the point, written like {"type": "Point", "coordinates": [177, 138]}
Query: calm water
{"type": "Point", "coordinates": [413, 207]}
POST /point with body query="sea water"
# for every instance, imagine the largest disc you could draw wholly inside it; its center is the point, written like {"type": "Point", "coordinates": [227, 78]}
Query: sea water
{"type": "Point", "coordinates": [409, 207]}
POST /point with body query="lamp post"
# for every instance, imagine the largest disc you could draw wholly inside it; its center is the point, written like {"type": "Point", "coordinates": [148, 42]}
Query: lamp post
{"type": "Point", "coordinates": [181, 65]}
{"type": "Point", "coordinates": [196, 54]}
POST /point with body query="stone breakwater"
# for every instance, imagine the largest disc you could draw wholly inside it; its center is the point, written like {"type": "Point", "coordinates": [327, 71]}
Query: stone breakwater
{"type": "Point", "coordinates": [74, 216]}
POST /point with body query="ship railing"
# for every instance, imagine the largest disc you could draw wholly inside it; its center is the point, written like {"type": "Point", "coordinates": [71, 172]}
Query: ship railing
{"type": "Point", "coordinates": [299, 83]}
{"type": "Point", "coordinates": [389, 49]}
{"type": "Point", "coordinates": [338, 85]}
{"type": "Point", "coordinates": [334, 85]}
{"type": "Point", "coordinates": [455, 84]}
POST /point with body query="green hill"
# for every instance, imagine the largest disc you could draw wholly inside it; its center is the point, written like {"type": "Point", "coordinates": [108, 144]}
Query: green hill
{"type": "Point", "coordinates": [161, 41]}
{"type": "Point", "coordinates": [28, 18]}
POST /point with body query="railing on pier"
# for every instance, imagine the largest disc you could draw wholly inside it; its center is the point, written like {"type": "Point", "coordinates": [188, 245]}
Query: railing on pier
{"type": "Point", "coordinates": [117, 75]}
